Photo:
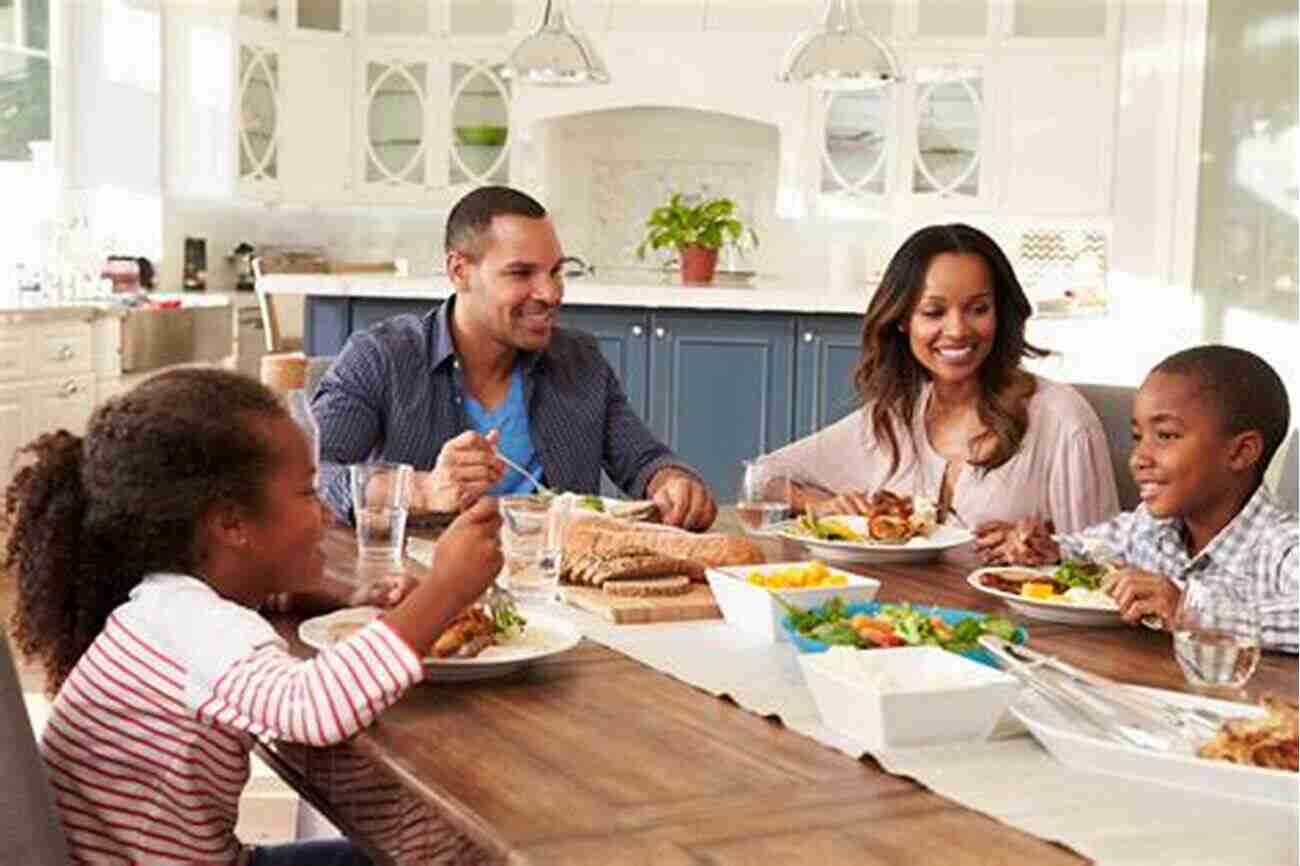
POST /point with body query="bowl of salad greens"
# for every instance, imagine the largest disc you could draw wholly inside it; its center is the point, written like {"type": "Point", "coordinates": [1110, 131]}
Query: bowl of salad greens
{"type": "Point", "coordinates": [873, 625]}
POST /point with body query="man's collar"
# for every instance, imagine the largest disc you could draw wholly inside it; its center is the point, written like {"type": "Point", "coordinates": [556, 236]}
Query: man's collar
{"type": "Point", "coordinates": [443, 347]}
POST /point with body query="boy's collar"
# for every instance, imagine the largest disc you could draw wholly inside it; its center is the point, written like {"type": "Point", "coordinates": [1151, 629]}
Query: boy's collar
{"type": "Point", "coordinates": [1258, 501]}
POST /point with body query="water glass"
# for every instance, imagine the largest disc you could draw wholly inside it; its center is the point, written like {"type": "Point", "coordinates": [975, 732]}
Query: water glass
{"type": "Point", "coordinates": [532, 538]}
{"type": "Point", "coordinates": [763, 499]}
{"type": "Point", "coordinates": [1216, 634]}
{"type": "Point", "coordinates": [381, 495]}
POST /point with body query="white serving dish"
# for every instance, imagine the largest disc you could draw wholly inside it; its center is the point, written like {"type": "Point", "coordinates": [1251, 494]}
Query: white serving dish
{"type": "Point", "coordinates": [1072, 745]}
{"type": "Point", "coordinates": [544, 636]}
{"type": "Point", "coordinates": [889, 719]}
{"type": "Point", "coordinates": [918, 549]}
{"type": "Point", "coordinates": [753, 609]}
{"type": "Point", "coordinates": [1042, 609]}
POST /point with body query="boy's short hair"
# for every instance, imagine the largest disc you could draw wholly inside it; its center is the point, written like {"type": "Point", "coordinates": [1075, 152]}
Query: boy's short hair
{"type": "Point", "coordinates": [471, 218]}
{"type": "Point", "coordinates": [1247, 393]}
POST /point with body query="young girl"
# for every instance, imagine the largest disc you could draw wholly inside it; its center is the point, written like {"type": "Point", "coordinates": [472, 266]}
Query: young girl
{"type": "Point", "coordinates": [141, 553]}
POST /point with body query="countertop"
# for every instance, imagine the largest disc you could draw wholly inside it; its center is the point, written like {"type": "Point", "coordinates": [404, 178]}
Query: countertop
{"type": "Point", "coordinates": [93, 308]}
{"type": "Point", "coordinates": [615, 287]}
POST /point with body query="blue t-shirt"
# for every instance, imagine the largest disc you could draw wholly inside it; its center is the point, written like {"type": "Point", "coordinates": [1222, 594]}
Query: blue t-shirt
{"type": "Point", "coordinates": [511, 419]}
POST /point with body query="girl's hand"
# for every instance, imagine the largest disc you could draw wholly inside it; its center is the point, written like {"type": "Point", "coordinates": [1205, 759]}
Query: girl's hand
{"type": "Point", "coordinates": [469, 553]}
{"type": "Point", "coordinates": [385, 591]}
{"type": "Point", "coordinates": [1142, 593]}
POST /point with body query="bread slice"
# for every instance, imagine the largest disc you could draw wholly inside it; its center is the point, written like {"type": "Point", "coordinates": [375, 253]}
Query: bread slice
{"type": "Point", "coordinates": [650, 587]}
{"type": "Point", "coordinates": [606, 537]}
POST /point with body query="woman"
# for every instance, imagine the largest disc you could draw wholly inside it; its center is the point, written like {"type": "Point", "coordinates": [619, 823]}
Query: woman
{"type": "Point", "coordinates": [947, 411]}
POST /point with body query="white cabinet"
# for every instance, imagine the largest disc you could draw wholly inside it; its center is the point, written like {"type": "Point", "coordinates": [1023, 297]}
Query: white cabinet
{"type": "Point", "coordinates": [1058, 135]}
{"type": "Point", "coordinates": [479, 103]}
{"type": "Point", "coordinates": [401, 124]}
{"type": "Point", "coordinates": [257, 118]}
{"type": "Point", "coordinates": [47, 379]}
{"type": "Point", "coordinates": [316, 141]}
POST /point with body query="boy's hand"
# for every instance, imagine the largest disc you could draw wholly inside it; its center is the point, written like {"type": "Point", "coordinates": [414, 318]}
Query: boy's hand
{"type": "Point", "coordinates": [1142, 593]}
{"type": "Point", "coordinates": [1025, 542]}
{"type": "Point", "coordinates": [468, 554]}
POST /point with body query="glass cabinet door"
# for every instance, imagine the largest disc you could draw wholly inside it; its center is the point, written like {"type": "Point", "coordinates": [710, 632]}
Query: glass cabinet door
{"type": "Point", "coordinates": [259, 113]}
{"type": "Point", "coordinates": [408, 18]}
{"type": "Point", "coordinates": [948, 150]}
{"type": "Point", "coordinates": [480, 112]}
{"type": "Point", "coordinates": [396, 123]}
{"type": "Point", "coordinates": [261, 11]}
{"type": "Point", "coordinates": [855, 143]}
{"type": "Point", "coordinates": [324, 16]}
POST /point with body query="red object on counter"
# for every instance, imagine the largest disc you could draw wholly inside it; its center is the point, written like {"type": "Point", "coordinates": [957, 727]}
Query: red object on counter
{"type": "Point", "coordinates": [165, 305]}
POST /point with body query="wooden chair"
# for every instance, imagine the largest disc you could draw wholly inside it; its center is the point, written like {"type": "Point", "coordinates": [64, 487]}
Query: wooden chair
{"type": "Point", "coordinates": [270, 323]}
{"type": "Point", "coordinates": [31, 832]}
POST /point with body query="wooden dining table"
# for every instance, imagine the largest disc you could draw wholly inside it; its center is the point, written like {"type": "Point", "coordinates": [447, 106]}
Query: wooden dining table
{"type": "Point", "coordinates": [592, 757]}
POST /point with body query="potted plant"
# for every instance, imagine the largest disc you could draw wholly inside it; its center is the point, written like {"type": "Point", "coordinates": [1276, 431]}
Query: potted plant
{"type": "Point", "coordinates": [696, 232]}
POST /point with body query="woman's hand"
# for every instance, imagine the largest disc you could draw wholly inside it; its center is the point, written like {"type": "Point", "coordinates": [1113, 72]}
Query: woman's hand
{"type": "Point", "coordinates": [844, 503]}
{"type": "Point", "coordinates": [1142, 593]}
{"type": "Point", "coordinates": [1025, 542]}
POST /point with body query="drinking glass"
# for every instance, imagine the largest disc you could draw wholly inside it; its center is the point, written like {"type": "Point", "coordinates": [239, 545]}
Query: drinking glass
{"type": "Point", "coordinates": [1216, 634]}
{"type": "Point", "coordinates": [764, 496]}
{"type": "Point", "coordinates": [532, 535]}
{"type": "Point", "coordinates": [381, 495]}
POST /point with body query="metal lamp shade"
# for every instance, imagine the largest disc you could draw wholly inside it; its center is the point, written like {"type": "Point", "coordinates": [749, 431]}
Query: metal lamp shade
{"type": "Point", "coordinates": [841, 55]}
{"type": "Point", "coordinates": [556, 53]}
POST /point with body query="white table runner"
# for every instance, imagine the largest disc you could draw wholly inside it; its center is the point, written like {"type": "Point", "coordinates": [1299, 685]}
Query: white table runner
{"type": "Point", "coordinates": [1010, 777]}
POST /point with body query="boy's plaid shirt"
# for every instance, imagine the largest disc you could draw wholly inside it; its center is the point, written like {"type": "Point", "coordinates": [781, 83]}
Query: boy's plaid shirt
{"type": "Point", "coordinates": [1261, 546]}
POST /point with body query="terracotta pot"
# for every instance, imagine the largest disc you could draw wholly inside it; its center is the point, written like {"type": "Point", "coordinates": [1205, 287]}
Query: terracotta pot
{"type": "Point", "coordinates": [698, 264]}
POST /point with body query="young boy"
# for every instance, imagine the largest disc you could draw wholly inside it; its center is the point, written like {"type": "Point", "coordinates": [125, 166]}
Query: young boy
{"type": "Point", "coordinates": [1206, 423]}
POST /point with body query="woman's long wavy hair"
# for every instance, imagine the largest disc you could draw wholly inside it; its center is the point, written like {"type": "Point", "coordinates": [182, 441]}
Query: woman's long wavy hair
{"type": "Point", "coordinates": [88, 518]}
{"type": "Point", "coordinates": [888, 377]}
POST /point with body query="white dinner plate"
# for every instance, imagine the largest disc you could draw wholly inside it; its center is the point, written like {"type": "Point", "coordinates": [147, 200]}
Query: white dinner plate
{"type": "Point", "coordinates": [544, 636]}
{"type": "Point", "coordinates": [1074, 745]}
{"type": "Point", "coordinates": [1042, 609]}
{"type": "Point", "coordinates": [917, 549]}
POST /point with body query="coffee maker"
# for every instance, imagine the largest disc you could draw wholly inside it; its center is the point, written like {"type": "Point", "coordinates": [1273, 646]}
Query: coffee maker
{"type": "Point", "coordinates": [243, 257]}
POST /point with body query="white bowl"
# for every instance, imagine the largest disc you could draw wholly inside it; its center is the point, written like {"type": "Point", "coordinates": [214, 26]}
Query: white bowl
{"type": "Point", "coordinates": [909, 696]}
{"type": "Point", "coordinates": [752, 608]}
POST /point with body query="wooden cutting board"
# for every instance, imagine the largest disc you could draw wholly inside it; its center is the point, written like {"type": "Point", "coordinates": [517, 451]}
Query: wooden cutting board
{"type": "Point", "coordinates": [696, 604]}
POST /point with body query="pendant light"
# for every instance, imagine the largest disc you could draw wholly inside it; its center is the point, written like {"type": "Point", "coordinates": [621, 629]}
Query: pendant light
{"type": "Point", "coordinates": [556, 53]}
{"type": "Point", "coordinates": [841, 54]}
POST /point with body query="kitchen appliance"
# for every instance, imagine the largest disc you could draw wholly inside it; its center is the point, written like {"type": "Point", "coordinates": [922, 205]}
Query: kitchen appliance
{"type": "Point", "coordinates": [195, 276]}
{"type": "Point", "coordinates": [242, 255]}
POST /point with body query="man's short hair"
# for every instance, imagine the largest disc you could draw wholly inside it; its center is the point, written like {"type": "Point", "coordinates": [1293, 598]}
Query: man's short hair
{"type": "Point", "coordinates": [1247, 393]}
{"type": "Point", "coordinates": [470, 219]}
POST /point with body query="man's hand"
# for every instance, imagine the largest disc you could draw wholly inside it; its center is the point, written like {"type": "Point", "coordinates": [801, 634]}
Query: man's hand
{"type": "Point", "coordinates": [682, 498]}
{"type": "Point", "coordinates": [467, 468]}
{"type": "Point", "coordinates": [1025, 542]}
{"type": "Point", "coordinates": [1142, 593]}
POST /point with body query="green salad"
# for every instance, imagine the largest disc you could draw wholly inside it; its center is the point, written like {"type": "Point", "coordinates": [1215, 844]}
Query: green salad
{"type": "Point", "coordinates": [893, 625]}
{"type": "Point", "coordinates": [1081, 572]}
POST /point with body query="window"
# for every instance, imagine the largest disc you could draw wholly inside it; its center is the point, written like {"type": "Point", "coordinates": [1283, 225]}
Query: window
{"type": "Point", "coordinates": [25, 107]}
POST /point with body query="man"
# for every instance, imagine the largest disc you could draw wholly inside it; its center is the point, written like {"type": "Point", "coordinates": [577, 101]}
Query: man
{"type": "Point", "coordinates": [488, 371]}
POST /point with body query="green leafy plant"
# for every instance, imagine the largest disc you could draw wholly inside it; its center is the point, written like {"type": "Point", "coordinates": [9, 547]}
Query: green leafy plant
{"type": "Point", "coordinates": [711, 223]}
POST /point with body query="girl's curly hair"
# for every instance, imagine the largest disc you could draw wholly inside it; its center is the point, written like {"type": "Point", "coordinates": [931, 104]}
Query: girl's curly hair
{"type": "Point", "coordinates": [888, 377]}
{"type": "Point", "coordinates": [90, 517]}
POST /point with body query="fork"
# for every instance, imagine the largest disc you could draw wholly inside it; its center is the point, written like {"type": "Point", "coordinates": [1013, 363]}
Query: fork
{"type": "Point", "coordinates": [541, 488]}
